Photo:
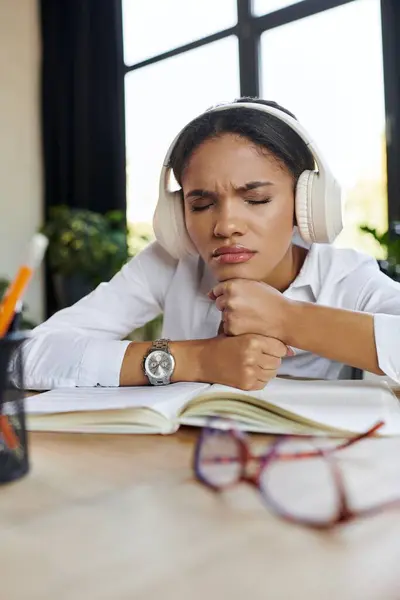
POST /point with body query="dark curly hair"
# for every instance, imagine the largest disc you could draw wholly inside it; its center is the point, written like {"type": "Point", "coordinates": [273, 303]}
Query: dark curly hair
{"type": "Point", "coordinates": [264, 130]}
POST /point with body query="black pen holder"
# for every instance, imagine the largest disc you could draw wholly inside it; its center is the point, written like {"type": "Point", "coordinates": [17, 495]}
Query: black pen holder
{"type": "Point", "coordinates": [14, 462]}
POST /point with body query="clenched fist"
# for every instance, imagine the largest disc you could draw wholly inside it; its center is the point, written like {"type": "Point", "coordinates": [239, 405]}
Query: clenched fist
{"type": "Point", "coordinates": [245, 361]}
{"type": "Point", "coordinates": [251, 307]}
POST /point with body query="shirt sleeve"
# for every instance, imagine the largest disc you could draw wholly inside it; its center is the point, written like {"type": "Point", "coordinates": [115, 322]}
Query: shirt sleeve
{"type": "Point", "coordinates": [83, 345]}
{"type": "Point", "coordinates": [380, 296]}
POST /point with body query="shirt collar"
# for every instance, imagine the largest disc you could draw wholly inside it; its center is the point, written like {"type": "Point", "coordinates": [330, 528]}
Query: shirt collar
{"type": "Point", "coordinates": [309, 274]}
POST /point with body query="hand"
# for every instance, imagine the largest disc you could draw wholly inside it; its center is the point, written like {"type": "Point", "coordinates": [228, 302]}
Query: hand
{"type": "Point", "coordinates": [245, 361]}
{"type": "Point", "coordinates": [251, 307]}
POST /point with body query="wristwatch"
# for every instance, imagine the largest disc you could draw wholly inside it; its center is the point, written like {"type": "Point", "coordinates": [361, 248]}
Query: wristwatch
{"type": "Point", "coordinates": [158, 363]}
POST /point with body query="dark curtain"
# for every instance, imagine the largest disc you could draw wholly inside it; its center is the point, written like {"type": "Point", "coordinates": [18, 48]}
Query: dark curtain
{"type": "Point", "coordinates": [82, 101]}
{"type": "Point", "coordinates": [391, 55]}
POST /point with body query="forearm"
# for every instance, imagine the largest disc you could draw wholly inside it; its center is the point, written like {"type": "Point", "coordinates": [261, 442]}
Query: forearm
{"type": "Point", "coordinates": [187, 355]}
{"type": "Point", "coordinates": [341, 335]}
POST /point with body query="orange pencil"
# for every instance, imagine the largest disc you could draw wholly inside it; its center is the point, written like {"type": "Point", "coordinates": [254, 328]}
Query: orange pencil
{"type": "Point", "coordinates": [9, 436]}
{"type": "Point", "coordinates": [17, 287]}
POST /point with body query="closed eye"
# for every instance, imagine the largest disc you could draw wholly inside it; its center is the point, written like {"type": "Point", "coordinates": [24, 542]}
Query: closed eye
{"type": "Point", "coordinates": [194, 208]}
{"type": "Point", "coordinates": [265, 201]}
{"type": "Point", "coordinates": [198, 208]}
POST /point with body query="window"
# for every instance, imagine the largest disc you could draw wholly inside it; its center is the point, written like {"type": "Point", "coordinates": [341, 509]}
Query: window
{"type": "Point", "coordinates": [160, 101]}
{"type": "Point", "coordinates": [261, 7]}
{"type": "Point", "coordinates": [152, 27]}
{"type": "Point", "coordinates": [328, 70]}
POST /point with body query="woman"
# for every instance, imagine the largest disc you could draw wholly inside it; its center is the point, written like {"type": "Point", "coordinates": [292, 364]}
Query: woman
{"type": "Point", "coordinates": [243, 299]}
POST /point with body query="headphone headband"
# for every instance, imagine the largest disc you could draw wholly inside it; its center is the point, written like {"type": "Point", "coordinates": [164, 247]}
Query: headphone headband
{"type": "Point", "coordinates": [280, 114]}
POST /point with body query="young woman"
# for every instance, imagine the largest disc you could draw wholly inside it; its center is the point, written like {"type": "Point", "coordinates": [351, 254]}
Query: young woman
{"type": "Point", "coordinates": [243, 270]}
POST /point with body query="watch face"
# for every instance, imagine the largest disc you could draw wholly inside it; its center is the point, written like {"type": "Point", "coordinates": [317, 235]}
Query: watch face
{"type": "Point", "coordinates": [159, 364]}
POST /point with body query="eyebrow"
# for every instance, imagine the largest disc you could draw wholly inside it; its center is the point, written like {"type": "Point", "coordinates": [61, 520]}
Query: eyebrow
{"type": "Point", "coordinates": [250, 185]}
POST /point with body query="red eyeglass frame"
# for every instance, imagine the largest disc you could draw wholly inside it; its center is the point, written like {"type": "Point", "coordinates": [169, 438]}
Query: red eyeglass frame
{"type": "Point", "coordinates": [344, 512]}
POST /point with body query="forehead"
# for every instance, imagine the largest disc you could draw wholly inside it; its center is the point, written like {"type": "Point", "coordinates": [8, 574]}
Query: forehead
{"type": "Point", "coordinates": [230, 158]}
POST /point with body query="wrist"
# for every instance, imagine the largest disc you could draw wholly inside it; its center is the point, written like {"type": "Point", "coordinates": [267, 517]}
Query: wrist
{"type": "Point", "coordinates": [188, 363]}
{"type": "Point", "coordinates": [283, 318]}
{"type": "Point", "coordinates": [295, 317]}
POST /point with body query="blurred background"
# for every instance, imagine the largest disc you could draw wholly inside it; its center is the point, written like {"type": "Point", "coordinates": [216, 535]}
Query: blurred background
{"type": "Point", "coordinates": [93, 91]}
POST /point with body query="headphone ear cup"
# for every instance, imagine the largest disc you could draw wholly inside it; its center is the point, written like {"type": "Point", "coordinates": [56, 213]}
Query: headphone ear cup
{"type": "Point", "coordinates": [169, 225]}
{"type": "Point", "coordinates": [303, 206]}
{"type": "Point", "coordinates": [318, 208]}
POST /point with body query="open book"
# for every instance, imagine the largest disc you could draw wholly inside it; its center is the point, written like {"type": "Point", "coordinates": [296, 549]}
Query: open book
{"type": "Point", "coordinates": [284, 406]}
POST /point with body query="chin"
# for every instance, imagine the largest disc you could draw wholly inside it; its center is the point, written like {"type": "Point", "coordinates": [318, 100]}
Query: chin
{"type": "Point", "coordinates": [241, 271]}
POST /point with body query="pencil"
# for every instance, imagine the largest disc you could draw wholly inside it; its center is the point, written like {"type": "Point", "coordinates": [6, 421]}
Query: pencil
{"type": "Point", "coordinates": [10, 438]}
{"type": "Point", "coordinates": [18, 286]}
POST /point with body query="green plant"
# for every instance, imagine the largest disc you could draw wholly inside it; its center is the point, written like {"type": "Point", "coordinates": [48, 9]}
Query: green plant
{"type": "Point", "coordinates": [390, 241]}
{"type": "Point", "coordinates": [25, 322]}
{"type": "Point", "coordinates": [91, 248]}
{"type": "Point", "coordinates": [87, 243]}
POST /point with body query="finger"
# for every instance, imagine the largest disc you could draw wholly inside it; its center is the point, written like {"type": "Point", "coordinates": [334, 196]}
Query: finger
{"type": "Point", "coordinates": [259, 384]}
{"type": "Point", "coordinates": [268, 362]}
{"type": "Point", "coordinates": [288, 351]}
{"type": "Point", "coordinates": [220, 303]}
{"type": "Point", "coordinates": [274, 347]}
{"type": "Point", "coordinates": [266, 374]}
{"type": "Point", "coordinates": [219, 289]}
{"type": "Point", "coordinates": [263, 377]}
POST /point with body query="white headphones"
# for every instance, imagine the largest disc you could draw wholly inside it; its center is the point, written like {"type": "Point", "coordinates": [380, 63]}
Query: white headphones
{"type": "Point", "coordinates": [318, 205]}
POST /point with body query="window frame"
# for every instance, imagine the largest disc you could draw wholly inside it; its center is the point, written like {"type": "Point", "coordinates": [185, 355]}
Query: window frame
{"type": "Point", "coordinates": [248, 31]}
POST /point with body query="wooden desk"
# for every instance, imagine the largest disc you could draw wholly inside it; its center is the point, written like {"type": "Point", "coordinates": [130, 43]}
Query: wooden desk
{"type": "Point", "coordinates": [120, 518]}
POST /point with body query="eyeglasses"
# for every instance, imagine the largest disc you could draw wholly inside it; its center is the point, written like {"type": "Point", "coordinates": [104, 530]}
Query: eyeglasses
{"type": "Point", "coordinates": [300, 479]}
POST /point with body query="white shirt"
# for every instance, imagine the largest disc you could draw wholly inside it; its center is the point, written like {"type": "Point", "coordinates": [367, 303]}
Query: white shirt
{"type": "Point", "coordinates": [83, 345]}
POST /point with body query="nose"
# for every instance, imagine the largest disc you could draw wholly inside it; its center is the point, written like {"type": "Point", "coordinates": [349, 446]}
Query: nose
{"type": "Point", "coordinates": [228, 221]}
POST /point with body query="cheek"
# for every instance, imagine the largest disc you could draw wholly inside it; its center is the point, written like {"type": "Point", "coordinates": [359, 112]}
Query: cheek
{"type": "Point", "coordinates": [275, 233]}
{"type": "Point", "coordinates": [196, 227]}
{"type": "Point", "coordinates": [278, 218]}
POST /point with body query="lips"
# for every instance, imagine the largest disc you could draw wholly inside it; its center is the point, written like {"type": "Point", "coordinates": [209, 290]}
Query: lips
{"type": "Point", "coordinates": [232, 254]}
{"type": "Point", "coordinates": [231, 250]}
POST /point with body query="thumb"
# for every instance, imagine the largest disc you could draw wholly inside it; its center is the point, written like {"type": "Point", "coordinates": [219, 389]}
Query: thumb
{"type": "Point", "coordinates": [290, 351]}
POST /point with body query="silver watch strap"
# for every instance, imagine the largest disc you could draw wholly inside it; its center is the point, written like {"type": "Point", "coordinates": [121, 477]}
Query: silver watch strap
{"type": "Point", "coordinates": [162, 344]}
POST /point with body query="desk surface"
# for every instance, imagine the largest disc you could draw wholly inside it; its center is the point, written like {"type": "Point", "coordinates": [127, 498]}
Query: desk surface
{"type": "Point", "coordinates": [120, 518]}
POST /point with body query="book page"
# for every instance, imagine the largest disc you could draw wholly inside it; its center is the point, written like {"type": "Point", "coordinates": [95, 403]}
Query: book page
{"type": "Point", "coordinates": [166, 400]}
{"type": "Point", "coordinates": [352, 405]}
